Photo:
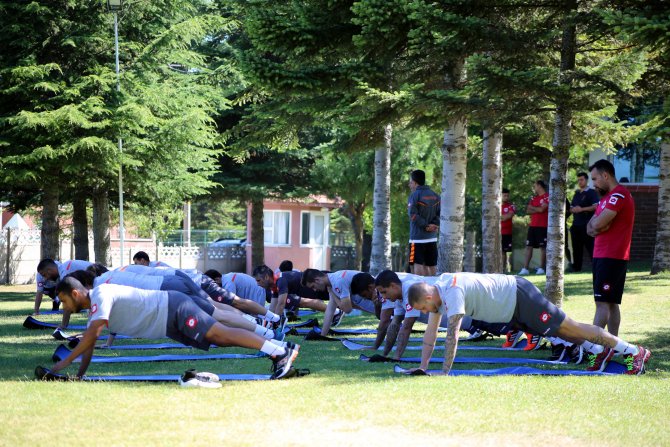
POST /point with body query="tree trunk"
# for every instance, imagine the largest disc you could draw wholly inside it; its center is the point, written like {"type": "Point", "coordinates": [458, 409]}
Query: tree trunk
{"type": "Point", "coordinates": [80, 227]}
{"type": "Point", "coordinates": [470, 256]}
{"type": "Point", "coordinates": [636, 174]}
{"type": "Point", "coordinates": [101, 243]}
{"type": "Point", "coordinates": [559, 168]}
{"type": "Point", "coordinates": [662, 249]}
{"type": "Point", "coordinates": [257, 233]}
{"type": "Point", "coordinates": [380, 258]}
{"type": "Point", "coordinates": [491, 202]}
{"type": "Point", "coordinates": [49, 243]}
{"type": "Point", "coordinates": [452, 200]}
{"type": "Point", "coordinates": [355, 214]}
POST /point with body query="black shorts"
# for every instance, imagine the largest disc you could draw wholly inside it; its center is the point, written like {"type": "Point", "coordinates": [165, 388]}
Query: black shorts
{"type": "Point", "coordinates": [534, 313]}
{"type": "Point", "coordinates": [537, 237]}
{"type": "Point", "coordinates": [187, 323]}
{"type": "Point", "coordinates": [506, 240]}
{"type": "Point", "coordinates": [609, 278]}
{"type": "Point", "coordinates": [423, 253]}
{"type": "Point", "coordinates": [292, 303]}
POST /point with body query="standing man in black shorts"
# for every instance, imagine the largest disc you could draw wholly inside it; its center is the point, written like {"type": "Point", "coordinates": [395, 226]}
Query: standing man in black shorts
{"type": "Point", "coordinates": [582, 207]}
{"type": "Point", "coordinates": [612, 227]}
{"type": "Point", "coordinates": [507, 211]}
{"type": "Point", "coordinates": [538, 208]}
{"type": "Point", "coordinates": [424, 221]}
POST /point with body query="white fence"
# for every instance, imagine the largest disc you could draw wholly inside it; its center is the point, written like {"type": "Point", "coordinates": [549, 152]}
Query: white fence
{"type": "Point", "coordinates": [20, 254]}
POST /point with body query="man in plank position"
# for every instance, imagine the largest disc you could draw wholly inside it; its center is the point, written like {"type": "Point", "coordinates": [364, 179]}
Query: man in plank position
{"type": "Point", "coordinates": [156, 314]}
{"type": "Point", "coordinates": [290, 295]}
{"type": "Point", "coordinates": [500, 298]}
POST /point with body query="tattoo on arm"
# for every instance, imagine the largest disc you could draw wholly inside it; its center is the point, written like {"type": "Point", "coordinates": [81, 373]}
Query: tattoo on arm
{"type": "Point", "coordinates": [451, 342]}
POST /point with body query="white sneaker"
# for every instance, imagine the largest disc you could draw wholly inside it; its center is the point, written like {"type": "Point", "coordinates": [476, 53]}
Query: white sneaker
{"type": "Point", "coordinates": [193, 379]}
{"type": "Point", "coordinates": [524, 271]}
{"type": "Point", "coordinates": [58, 334]}
{"type": "Point", "coordinates": [540, 271]}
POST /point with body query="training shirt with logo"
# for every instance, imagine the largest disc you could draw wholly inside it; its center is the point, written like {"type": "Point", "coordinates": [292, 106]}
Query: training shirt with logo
{"type": "Point", "coordinates": [130, 311]}
{"type": "Point", "coordinates": [147, 282]}
{"type": "Point", "coordinates": [490, 298]}
{"type": "Point", "coordinates": [244, 286]}
{"type": "Point", "coordinates": [506, 225]}
{"type": "Point", "coordinates": [615, 242]}
{"type": "Point", "coordinates": [340, 282]}
{"type": "Point", "coordinates": [64, 268]}
{"type": "Point", "coordinates": [540, 219]}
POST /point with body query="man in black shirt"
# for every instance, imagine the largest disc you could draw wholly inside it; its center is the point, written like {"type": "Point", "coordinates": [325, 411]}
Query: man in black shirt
{"type": "Point", "coordinates": [582, 208]}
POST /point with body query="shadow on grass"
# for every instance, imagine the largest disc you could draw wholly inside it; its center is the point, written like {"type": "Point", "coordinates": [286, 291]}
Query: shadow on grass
{"type": "Point", "coordinates": [13, 297]}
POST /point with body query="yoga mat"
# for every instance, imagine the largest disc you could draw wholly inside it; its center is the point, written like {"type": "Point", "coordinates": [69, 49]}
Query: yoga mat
{"type": "Point", "coordinates": [32, 323]}
{"type": "Point", "coordinates": [335, 331]}
{"type": "Point", "coordinates": [147, 346]}
{"type": "Point", "coordinates": [312, 322]}
{"type": "Point", "coordinates": [486, 360]}
{"type": "Point", "coordinates": [305, 312]}
{"type": "Point", "coordinates": [167, 377]}
{"type": "Point", "coordinates": [62, 352]}
{"type": "Point", "coordinates": [355, 346]}
{"type": "Point", "coordinates": [613, 368]}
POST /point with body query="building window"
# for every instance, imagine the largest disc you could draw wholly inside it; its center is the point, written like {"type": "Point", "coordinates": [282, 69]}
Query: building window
{"type": "Point", "coordinates": [277, 227]}
{"type": "Point", "coordinates": [313, 228]}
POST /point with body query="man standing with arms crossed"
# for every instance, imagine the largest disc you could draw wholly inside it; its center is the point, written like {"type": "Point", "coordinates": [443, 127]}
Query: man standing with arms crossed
{"type": "Point", "coordinates": [612, 228]}
{"type": "Point", "coordinates": [538, 208]}
{"type": "Point", "coordinates": [424, 221]}
{"type": "Point", "coordinates": [582, 207]}
{"type": "Point", "coordinates": [507, 211]}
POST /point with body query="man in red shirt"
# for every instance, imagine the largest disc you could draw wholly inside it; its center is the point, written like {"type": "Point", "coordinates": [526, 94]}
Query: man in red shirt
{"type": "Point", "coordinates": [507, 211]}
{"type": "Point", "coordinates": [538, 208]}
{"type": "Point", "coordinates": [612, 227]}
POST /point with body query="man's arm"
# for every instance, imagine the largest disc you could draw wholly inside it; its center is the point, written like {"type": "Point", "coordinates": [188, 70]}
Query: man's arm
{"type": "Point", "coordinates": [451, 343]}
{"type": "Point", "coordinates": [281, 304]}
{"type": "Point", "coordinates": [392, 333]}
{"type": "Point", "coordinates": [38, 302]}
{"type": "Point", "coordinates": [600, 223]}
{"type": "Point", "coordinates": [403, 336]}
{"type": "Point", "coordinates": [383, 326]}
{"type": "Point", "coordinates": [84, 348]}
{"type": "Point", "coordinates": [507, 216]}
{"type": "Point", "coordinates": [429, 338]}
{"type": "Point", "coordinates": [330, 312]}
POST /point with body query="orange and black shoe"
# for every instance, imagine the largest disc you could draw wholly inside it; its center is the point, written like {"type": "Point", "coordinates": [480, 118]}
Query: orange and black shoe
{"type": "Point", "coordinates": [512, 338]}
{"type": "Point", "coordinates": [533, 342]}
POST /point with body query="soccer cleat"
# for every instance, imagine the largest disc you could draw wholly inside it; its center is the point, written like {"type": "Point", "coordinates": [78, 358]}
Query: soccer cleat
{"type": "Point", "coordinates": [281, 364]}
{"type": "Point", "coordinates": [635, 364]}
{"type": "Point", "coordinates": [58, 334]}
{"type": "Point", "coordinates": [337, 318]}
{"type": "Point", "coordinates": [534, 342]}
{"type": "Point", "coordinates": [512, 338]}
{"type": "Point", "coordinates": [598, 362]}
{"type": "Point", "coordinates": [576, 354]}
{"type": "Point", "coordinates": [540, 271]}
{"type": "Point", "coordinates": [524, 271]}
{"type": "Point", "coordinates": [193, 379]}
{"type": "Point", "coordinates": [558, 352]}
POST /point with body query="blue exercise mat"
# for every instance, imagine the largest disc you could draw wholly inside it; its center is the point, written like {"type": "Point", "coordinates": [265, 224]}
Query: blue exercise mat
{"type": "Point", "coordinates": [613, 368]}
{"type": "Point", "coordinates": [172, 378]}
{"type": "Point", "coordinates": [337, 331]}
{"type": "Point", "coordinates": [33, 323]}
{"type": "Point", "coordinates": [485, 360]}
{"type": "Point", "coordinates": [356, 346]}
{"type": "Point", "coordinates": [147, 347]}
{"type": "Point", "coordinates": [305, 312]}
{"type": "Point", "coordinates": [62, 352]}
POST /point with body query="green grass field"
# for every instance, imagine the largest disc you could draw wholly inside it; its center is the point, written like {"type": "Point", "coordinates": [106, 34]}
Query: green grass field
{"type": "Point", "coordinates": [344, 401]}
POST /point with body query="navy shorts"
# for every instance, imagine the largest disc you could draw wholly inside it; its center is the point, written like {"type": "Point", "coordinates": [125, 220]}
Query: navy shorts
{"type": "Point", "coordinates": [537, 237]}
{"type": "Point", "coordinates": [177, 284]}
{"type": "Point", "coordinates": [609, 279]}
{"type": "Point", "coordinates": [292, 303]}
{"type": "Point", "coordinates": [423, 253]}
{"type": "Point", "coordinates": [187, 323]}
{"type": "Point", "coordinates": [534, 313]}
{"type": "Point", "coordinates": [506, 240]}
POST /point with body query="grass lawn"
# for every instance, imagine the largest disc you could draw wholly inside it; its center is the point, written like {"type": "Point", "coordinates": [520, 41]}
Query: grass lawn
{"type": "Point", "coordinates": [344, 401]}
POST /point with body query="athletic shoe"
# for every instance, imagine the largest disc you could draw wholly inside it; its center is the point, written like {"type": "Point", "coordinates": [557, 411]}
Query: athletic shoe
{"type": "Point", "coordinates": [193, 379]}
{"type": "Point", "coordinates": [524, 271]}
{"type": "Point", "coordinates": [281, 364]}
{"type": "Point", "coordinates": [337, 318]}
{"type": "Point", "coordinates": [534, 342]}
{"type": "Point", "coordinates": [540, 271]}
{"type": "Point", "coordinates": [576, 354]}
{"type": "Point", "coordinates": [635, 364]}
{"type": "Point", "coordinates": [478, 335]}
{"type": "Point", "coordinates": [58, 334]}
{"type": "Point", "coordinates": [598, 362]}
{"type": "Point", "coordinates": [294, 346]}
{"type": "Point", "coordinates": [558, 352]}
{"type": "Point", "coordinates": [55, 304]}
{"type": "Point", "coordinates": [278, 334]}
{"type": "Point", "coordinates": [512, 338]}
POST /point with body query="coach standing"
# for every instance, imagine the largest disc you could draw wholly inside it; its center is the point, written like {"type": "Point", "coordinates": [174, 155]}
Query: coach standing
{"type": "Point", "coordinates": [612, 227]}
{"type": "Point", "coordinates": [424, 220]}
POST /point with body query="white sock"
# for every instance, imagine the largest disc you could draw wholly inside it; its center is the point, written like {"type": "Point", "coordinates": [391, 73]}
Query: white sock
{"type": "Point", "coordinates": [249, 317]}
{"type": "Point", "coordinates": [271, 316]}
{"type": "Point", "coordinates": [278, 342]}
{"type": "Point", "coordinates": [593, 348]}
{"type": "Point", "coordinates": [263, 332]}
{"type": "Point", "coordinates": [625, 348]}
{"type": "Point", "coordinates": [271, 349]}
